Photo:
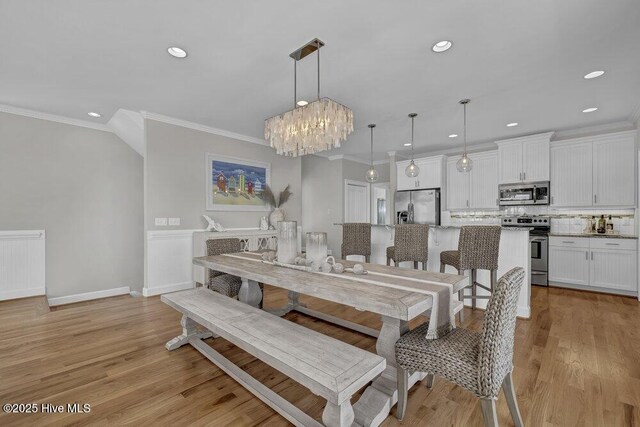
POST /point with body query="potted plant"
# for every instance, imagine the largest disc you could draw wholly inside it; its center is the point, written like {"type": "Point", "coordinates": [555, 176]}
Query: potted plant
{"type": "Point", "coordinates": [278, 213]}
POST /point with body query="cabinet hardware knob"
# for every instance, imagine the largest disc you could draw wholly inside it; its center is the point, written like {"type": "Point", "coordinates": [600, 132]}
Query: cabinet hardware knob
{"type": "Point", "coordinates": [586, 255]}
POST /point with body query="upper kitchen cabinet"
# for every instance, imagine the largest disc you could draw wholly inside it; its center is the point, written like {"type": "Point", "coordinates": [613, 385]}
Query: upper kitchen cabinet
{"type": "Point", "coordinates": [596, 171]}
{"type": "Point", "coordinates": [477, 189]}
{"type": "Point", "coordinates": [431, 174]}
{"type": "Point", "coordinates": [524, 159]}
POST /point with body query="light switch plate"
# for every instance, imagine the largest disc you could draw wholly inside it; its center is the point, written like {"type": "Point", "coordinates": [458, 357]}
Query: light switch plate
{"type": "Point", "coordinates": [174, 221]}
{"type": "Point", "coordinates": [161, 222]}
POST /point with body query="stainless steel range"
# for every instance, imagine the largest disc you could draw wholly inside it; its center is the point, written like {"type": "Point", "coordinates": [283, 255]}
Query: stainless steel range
{"type": "Point", "coordinates": [539, 240]}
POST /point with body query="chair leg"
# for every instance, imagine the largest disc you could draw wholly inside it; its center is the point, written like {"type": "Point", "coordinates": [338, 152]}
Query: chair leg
{"type": "Point", "coordinates": [430, 380]}
{"type": "Point", "coordinates": [461, 313]}
{"type": "Point", "coordinates": [474, 290]}
{"type": "Point", "coordinates": [415, 265]}
{"type": "Point", "coordinates": [512, 402]}
{"type": "Point", "coordinates": [442, 267]}
{"type": "Point", "coordinates": [489, 412]}
{"type": "Point", "coordinates": [388, 261]}
{"type": "Point", "coordinates": [367, 259]}
{"type": "Point", "coordinates": [424, 265]}
{"type": "Point", "coordinates": [403, 391]}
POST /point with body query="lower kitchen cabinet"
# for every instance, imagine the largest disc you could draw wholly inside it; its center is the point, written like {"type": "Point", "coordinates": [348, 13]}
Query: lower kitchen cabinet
{"type": "Point", "coordinates": [598, 263]}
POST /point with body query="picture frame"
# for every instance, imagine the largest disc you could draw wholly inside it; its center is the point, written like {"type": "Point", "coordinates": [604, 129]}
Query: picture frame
{"type": "Point", "coordinates": [235, 184]}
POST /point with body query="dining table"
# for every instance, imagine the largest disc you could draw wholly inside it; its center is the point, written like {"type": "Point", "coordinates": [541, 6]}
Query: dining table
{"type": "Point", "coordinates": [398, 295]}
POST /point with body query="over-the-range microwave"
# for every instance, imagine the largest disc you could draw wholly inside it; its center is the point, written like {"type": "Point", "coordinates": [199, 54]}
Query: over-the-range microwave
{"type": "Point", "coordinates": [530, 193]}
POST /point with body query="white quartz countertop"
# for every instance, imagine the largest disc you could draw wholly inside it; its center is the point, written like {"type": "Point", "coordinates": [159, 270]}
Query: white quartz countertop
{"type": "Point", "coordinates": [602, 236]}
{"type": "Point", "coordinates": [457, 227]}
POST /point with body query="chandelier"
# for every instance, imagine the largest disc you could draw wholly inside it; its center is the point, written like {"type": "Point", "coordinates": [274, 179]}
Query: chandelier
{"type": "Point", "coordinates": [309, 127]}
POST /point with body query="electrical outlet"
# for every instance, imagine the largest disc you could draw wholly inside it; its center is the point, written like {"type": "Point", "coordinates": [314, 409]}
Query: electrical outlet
{"type": "Point", "coordinates": [174, 221]}
{"type": "Point", "coordinates": [161, 222]}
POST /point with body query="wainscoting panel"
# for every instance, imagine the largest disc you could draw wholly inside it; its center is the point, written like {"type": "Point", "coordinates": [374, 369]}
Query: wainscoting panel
{"type": "Point", "coordinates": [169, 261]}
{"type": "Point", "coordinates": [22, 263]}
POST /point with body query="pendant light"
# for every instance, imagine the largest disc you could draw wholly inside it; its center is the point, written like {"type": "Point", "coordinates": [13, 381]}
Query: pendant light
{"type": "Point", "coordinates": [465, 164]}
{"type": "Point", "coordinates": [412, 170]}
{"type": "Point", "coordinates": [372, 173]}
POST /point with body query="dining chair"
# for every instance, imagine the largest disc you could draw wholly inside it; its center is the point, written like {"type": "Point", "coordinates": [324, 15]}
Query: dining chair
{"type": "Point", "coordinates": [410, 243]}
{"type": "Point", "coordinates": [480, 362]}
{"type": "Point", "coordinates": [478, 249]}
{"type": "Point", "coordinates": [356, 240]}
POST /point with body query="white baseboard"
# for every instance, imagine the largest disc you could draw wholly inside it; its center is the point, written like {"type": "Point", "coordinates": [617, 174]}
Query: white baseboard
{"type": "Point", "coordinates": [21, 293]}
{"type": "Point", "coordinates": [149, 292]}
{"type": "Point", "coordinates": [69, 299]}
{"type": "Point", "coordinates": [524, 312]}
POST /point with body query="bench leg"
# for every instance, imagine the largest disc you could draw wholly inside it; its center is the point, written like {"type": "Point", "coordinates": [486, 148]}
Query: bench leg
{"type": "Point", "coordinates": [338, 415]}
{"type": "Point", "coordinates": [189, 330]}
{"type": "Point", "coordinates": [250, 292]}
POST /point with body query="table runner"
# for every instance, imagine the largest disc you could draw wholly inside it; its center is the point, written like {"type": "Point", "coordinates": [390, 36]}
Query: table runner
{"type": "Point", "coordinates": [441, 319]}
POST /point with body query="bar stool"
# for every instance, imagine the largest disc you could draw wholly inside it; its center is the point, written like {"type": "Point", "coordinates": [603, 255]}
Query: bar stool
{"type": "Point", "coordinates": [356, 239]}
{"type": "Point", "coordinates": [410, 243]}
{"type": "Point", "coordinates": [478, 248]}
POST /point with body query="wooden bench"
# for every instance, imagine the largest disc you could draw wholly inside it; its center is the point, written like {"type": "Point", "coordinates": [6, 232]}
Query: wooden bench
{"type": "Point", "coordinates": [329, 368]}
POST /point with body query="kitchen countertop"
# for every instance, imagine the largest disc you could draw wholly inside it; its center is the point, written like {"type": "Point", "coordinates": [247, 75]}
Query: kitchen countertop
{"type": "Point", "coordinates": [455, 227]}
{"type": "Point", "coordinates": [604, 236]}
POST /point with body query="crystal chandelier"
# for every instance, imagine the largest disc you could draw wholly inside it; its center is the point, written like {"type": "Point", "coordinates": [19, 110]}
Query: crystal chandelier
{"type": "Point", "coordinates": [412, 170]}
{"type": "Point", "coordinates": [372, 173]}
{"type": "Point", "coordinates": [464, 164]}
{"type": "Point", "coordinates": [306, 129]}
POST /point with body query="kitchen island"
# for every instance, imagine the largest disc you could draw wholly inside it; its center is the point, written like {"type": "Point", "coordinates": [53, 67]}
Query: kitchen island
{"type": "Point", "coordinates": [514, 252]}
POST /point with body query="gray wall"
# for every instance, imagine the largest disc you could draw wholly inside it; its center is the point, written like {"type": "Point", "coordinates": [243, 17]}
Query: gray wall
{"type": "Point", "coordinates": [323, 193]}
{"type": "Point", "coordinates": [85, 188]}
{"type": "Point", "coordinates": [175, 176]}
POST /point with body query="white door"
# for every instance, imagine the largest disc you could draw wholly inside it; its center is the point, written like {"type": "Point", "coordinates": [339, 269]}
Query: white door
{"type": "Point", "coordinates": [510, 160]}
{"type": "Point", "coordinates": [535, 161]}
{"type": "Point", "coordinates": [569, 265]}
{"type": "Point", "coordinates": [403, 181]}
{"type": "Point", "coordinates": [571, 175]}
{"type": "Point", "coordinates": [356, 201]}
{"type": "Point", "coordinates": [457, 187]}
{"type": "Point", "coordinates": [484, 182]}
{"type": "Point", "coordinates": [614, 269]}
{"type": "Point", "coordinates": [614, 171]}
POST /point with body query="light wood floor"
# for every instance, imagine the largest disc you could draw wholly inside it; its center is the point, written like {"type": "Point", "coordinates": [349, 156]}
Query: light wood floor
{"type": "Point", "coordinates": [577, 363]}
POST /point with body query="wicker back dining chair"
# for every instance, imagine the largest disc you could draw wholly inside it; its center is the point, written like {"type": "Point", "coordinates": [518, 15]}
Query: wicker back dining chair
{"type": "Point", "coordinates": [478, 249]}
{"type": "Point", "coordinates": [480, 362]}
{"type": "Point", "coordinates": [356, 239]}
{"type": "Point", "coordinates": [226, 284]}
{"type": "Point", "coordinates": [410, 243]}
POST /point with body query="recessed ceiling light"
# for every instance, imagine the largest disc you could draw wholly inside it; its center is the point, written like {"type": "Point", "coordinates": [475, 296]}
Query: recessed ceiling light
{"type": "Point", "coordinates": [589, 110]}
{"type": "Point", "coordinates": [302, 103]}
{"type": "Point", "coordinates": [453, 135]}
{"type": "Point", "coordinates": [594, 74]}
{"type": "Point", "coordinates": [407, 144]}
{"type": "Point", "coordinates": [177, 52]}
{"type": "Point", "coordinates": [442, 46]}
{"type": "Point", "coordinates": [510, 125]}
{"type": "Point", "coordinates": [92, 114]}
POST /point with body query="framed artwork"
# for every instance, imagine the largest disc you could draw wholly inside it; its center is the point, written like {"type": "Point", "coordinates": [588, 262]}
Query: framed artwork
{"type": "Point", "coordinates": [235, 184]}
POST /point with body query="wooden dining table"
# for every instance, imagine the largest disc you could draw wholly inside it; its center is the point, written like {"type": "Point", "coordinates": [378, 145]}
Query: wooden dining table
{"type": "Point", "coordinates": [397, 305]}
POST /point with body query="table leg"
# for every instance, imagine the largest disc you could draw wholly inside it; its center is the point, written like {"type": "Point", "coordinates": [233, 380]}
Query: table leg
{"type": "Point", "coordinates": [292, 304]}
{"type": "Point", "coordinates": [376, 402]}
{"type": "Point", "coordinates": [189, 330]}
{"type": "Point", "coordinates": [250, 292]}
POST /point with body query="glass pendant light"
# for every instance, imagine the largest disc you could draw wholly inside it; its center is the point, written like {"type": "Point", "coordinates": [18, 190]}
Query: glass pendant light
{"type": "Point", "coordinates": [372, 173]}
{"type": "Point", "coordinates": [465, 164]}
{"type": "Point", "coordinates": [412, 170]}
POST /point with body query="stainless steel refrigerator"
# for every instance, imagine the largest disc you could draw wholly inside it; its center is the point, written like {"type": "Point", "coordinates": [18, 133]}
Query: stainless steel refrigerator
{"type": "Point", "coordinates": [418, 207]}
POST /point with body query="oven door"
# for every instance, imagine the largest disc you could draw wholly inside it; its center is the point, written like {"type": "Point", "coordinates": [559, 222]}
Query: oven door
{"type": "Point", "coordinates": [539, 259]}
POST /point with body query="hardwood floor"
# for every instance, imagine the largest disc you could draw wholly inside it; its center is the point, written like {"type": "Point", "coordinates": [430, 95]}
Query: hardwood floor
{"type": "Point", "coordinates": [577, 363]}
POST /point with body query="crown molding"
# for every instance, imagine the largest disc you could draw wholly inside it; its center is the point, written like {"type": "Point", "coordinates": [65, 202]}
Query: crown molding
{"type": "Point", "coordinates": [202, 128]}
{"type": "Point", "coordinates": [593, 130]}
{"type": "Point", "coordinates": [546, 136]}
{"type": "Point", "coordinates": [354, 159]}
{"type": "Point", "coordinates": [53, 118]}
{"type": "Point", "coordinates": [635, 117]}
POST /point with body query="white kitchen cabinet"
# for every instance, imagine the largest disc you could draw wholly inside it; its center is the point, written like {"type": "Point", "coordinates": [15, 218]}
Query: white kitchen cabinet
{"type": "Point", "coordinates": [483, 192]}
{"type": "Point", "coordinates": [477, 189]}
{"type": "Point", "coordinates": [568, 264]}
{"type": "Point", "coordinates": [457, 187]}
{"type": "Point", "coordinates": [598, 263]}
{"type": "Point", "coordinates": [597, 171]}
{"type": "Point", "coordinates": [431, 174]}
{"type": "Point", "coordinates": [524, 159]}
{"type": "Point", "coordinates": [614, 160]}
{"type": "Point", "coordinates": [571, 175]}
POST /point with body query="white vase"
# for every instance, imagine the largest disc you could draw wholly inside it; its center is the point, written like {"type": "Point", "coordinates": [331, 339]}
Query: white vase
{"type": "Point", "coordinates": [275, 217]}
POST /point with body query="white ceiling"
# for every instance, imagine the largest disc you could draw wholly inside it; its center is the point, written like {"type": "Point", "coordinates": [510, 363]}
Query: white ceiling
{"type": "Point", "coordinates": [517, 60]}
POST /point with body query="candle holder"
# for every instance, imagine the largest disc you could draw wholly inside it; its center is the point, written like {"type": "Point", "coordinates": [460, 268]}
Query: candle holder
{"type": "Point", "coordinates": [316, 246]}
{"type": "Point", "coordinates": [287, 241]}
